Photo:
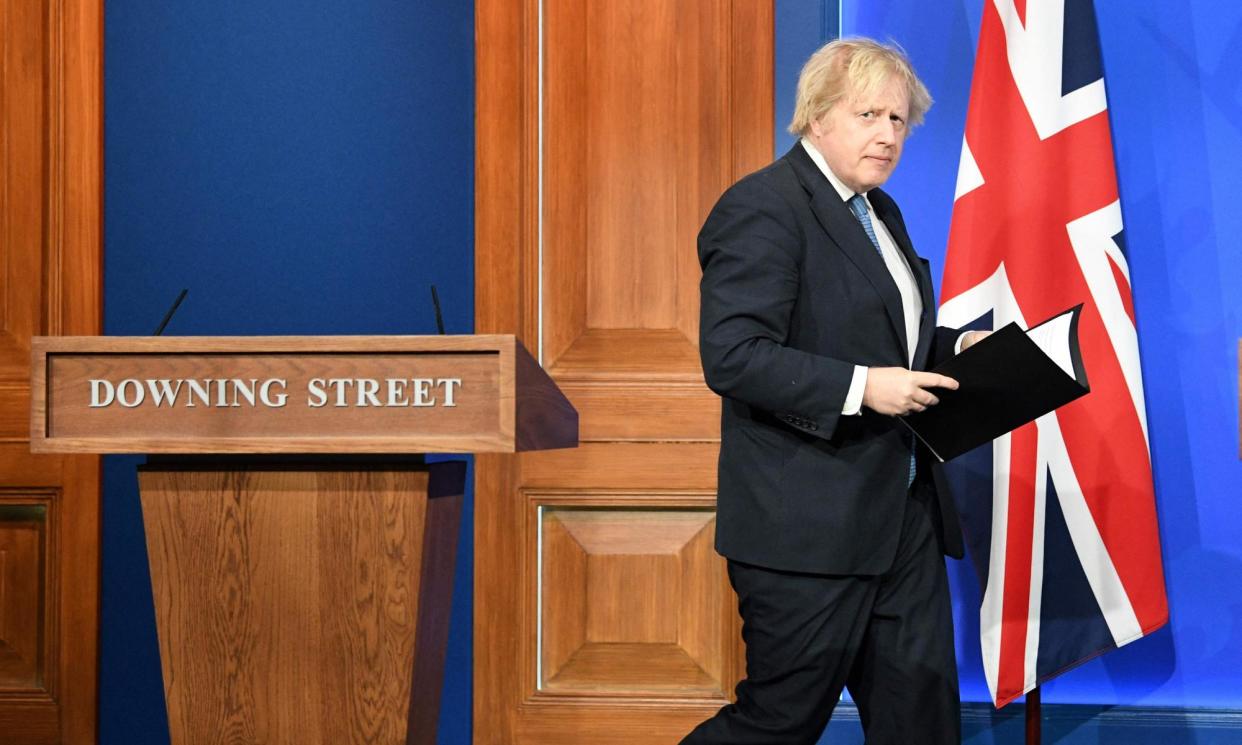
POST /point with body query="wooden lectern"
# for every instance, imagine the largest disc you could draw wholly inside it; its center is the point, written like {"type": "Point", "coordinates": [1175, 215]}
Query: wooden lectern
{"type": "Point", "coordinates": [301, 555]}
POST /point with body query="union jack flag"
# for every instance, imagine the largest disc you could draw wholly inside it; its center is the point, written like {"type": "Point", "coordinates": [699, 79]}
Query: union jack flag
{"type": "Point", "coordinates": [1067, 548]}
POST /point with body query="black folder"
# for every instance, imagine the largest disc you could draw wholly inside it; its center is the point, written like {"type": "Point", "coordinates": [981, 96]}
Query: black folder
{"type": "Point", "coordinates": [1006, 380]}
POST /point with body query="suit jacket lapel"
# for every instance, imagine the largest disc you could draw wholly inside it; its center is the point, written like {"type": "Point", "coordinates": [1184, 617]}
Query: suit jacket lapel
{"type": "Point", "coordinates": [918, 267]}
{"type": "Point", "coordinates": [927, 323]}
{"type": "Point", "coordinates": [844, 230]}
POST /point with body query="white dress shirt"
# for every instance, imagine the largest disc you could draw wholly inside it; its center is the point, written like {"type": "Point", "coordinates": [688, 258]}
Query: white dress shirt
{"type": "Point", "coordinates": [898, 267]}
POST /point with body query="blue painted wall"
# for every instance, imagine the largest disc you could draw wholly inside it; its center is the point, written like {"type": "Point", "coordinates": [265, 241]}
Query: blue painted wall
{"type": "Point", "coordinates": [302, 168]}
{"type": "Point", "coordinates": [1176, 110]}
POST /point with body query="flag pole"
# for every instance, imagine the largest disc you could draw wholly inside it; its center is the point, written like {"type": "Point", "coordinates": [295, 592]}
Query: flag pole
{"type": "Point", "coordinates": [1032, 716]}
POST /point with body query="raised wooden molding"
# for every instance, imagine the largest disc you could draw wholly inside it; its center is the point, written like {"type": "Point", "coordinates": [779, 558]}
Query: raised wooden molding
{"type": "Point", "coordinates": [610, 655]}
{"type": "Point", "coordinates": [503, 401]}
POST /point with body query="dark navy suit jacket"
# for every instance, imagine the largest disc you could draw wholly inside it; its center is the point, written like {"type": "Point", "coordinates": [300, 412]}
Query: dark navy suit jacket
{"type": "Point", "coordinates": [794, 295]}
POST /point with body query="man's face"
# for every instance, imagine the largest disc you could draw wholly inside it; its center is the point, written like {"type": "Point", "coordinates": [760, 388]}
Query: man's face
{"type": "Point", "coordinates": [861, 137]}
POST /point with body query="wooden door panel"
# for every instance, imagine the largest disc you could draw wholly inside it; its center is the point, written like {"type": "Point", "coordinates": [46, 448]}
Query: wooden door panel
{"type": "Point", "coordinates": [623, 594]}
{"type": "Point", "coordinates": [603, 614]}
{"type": "Point", "coordinates": [605, 132]}
{"type": "Point", "coordinates": [50, 197]}
{"type": "Point", "coordinates": [24, 543]}
{"type": "Point", "coordinates": [638, 128]}
{"type": "Point", "coordinates": [641, 121]}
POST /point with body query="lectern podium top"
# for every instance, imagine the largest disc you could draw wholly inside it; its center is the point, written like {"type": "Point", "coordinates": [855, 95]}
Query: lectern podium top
{"type": "Point", "coordinates": [293, 394]}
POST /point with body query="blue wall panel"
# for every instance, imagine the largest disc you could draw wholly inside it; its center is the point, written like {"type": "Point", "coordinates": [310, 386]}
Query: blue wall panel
{"type": "Point", "coordinates": [302, 169]}
{"type": "Point", "coordinates": [802, 26]}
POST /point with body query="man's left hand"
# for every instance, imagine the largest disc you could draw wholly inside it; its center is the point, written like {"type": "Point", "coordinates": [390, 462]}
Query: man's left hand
{"type": "Point", "coordinates": [973, 337]}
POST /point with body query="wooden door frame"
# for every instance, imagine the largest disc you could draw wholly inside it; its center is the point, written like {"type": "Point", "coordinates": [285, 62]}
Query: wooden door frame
{"type": "Point", "coordinates": [75, 114]}
{"type": "Point", "coordinates": [506, 265]}
{"type": "Point", "coordinates": [75, 245]}
{"type": "Point", "coordinates": [75, 307]}
{"type": "Point", "coordinates": [72, 244]}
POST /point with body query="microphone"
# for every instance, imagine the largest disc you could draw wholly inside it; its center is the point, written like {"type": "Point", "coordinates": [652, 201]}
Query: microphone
{"type": "Point", "coordinates": [168, 316]}
{"type": "Point", "coordinates": [435, 301]}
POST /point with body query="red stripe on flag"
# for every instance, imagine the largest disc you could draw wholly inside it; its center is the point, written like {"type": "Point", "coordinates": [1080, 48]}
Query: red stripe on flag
{"type": "Point", "coordinates": [1123, 289]}
{"type": "Point", "coordinates": [1019, 536]}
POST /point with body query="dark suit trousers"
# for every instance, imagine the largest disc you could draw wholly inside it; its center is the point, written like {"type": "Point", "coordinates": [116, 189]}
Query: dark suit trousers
{"type": "Point", "coordinates": [888, 638]}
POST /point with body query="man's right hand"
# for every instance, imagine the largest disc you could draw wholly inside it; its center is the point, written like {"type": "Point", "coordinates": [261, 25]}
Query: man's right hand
{"type": "Point", "coordinates": [897, 391]}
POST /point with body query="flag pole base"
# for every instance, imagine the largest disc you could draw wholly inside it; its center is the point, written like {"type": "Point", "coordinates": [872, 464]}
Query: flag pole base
{"type": "Point", "coordinates": [1032, 717]}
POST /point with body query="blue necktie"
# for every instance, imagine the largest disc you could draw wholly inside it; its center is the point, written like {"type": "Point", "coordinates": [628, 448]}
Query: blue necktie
{"type": "Point", "coordinates": [858, 205]}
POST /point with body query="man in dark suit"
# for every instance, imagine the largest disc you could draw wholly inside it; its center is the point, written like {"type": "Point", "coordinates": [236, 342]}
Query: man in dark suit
{"type": "Point", "coordinates": [817, 318]}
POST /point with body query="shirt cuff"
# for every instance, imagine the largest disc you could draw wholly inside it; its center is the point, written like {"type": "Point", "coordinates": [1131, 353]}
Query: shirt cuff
{"type": "Point", "coordinates": [957, 347]}
{"type": "Point", "coordinates": [854, 396]}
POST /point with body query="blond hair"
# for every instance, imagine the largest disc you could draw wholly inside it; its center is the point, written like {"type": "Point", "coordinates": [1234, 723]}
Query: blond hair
{"type": "Point", "coordinates": [858, 67]}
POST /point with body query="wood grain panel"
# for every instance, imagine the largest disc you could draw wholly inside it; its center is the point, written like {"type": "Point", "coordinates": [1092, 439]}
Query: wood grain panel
{"type": "Point", "coordinates": [23, 595]}
{"type": "Point", "coordinates": [288, 601]}
{"type": "Point", "coordinates": [15, 412]}
{"type": "Point", "coordinates": [636, 122]}
{"type": "Point", "coordinates": [615, 615]}
{"type": "Point", "coordinates": [23, 170]}
{"type": "Point", "coordinates": [31, 723]}
{"type": "Point", "coordinates": [629, 598]}
{"type": "Point", "coordinates": [507, 203]}
{"type": "Point", "coordinates": [707, 607]}
{"type": "Point", "coordinates": [503, 642]}
{"type": "Point", "coordinates": [378, 523]}
{"type": "Point", "coordinates": [750, 60]}
{"type": "Point", "coordinates": [706, 97]}
{"type": "Point", "coordinates": [564, 274]}
{"type": "Point", "coordinates": [32, 641]}
{"type": "Point", "coordinates": [655, 467]}
{"type": "Point", "coordinates": [648, 355]}
{"type": "Point", "coordinates": [642, 104]}
{"type": "Point", "coordinates": [633, 533]}
{"type": "Point", "coordinates": [631, 160]}
{"type": "Point", "coordinates": [643, 413]}
{"type": "Point", "coordinates": [564, 568]}
{"type": "Point", "coordinates": [633, 669]}
{"type": "Point", "coordinates": [648, 110]}
{"type": "Point", "coordinates": [50, 267]}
